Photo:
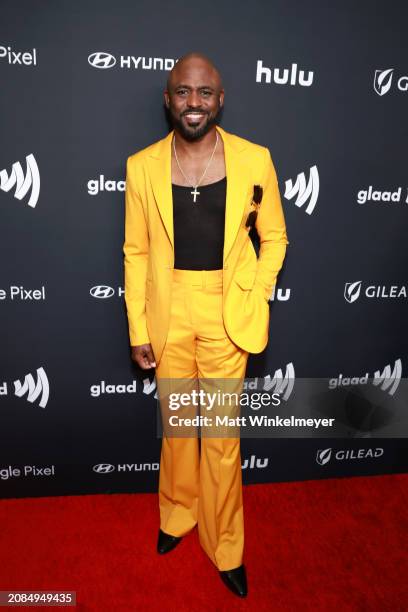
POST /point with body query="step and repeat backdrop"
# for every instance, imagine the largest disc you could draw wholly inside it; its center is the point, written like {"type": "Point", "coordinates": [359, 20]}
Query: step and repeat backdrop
{"type": "Point", "coordinates": [325, 87]}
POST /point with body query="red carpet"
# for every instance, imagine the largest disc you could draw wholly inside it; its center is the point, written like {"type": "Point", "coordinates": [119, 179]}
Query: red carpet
{"type": "Point", "coordinates": [338, 544]}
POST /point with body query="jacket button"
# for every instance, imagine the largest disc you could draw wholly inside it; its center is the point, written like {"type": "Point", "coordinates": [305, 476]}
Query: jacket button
{"type": "Point", "coordinates": [226, 267]}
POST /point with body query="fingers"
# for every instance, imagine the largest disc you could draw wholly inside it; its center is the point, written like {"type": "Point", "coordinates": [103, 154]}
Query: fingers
{"type": "Point", "coordinates": [143, 356]}
{"type": "Point", "coordinates": [146, 360]}
{"type": "Point", "coordinates": [150, 357]}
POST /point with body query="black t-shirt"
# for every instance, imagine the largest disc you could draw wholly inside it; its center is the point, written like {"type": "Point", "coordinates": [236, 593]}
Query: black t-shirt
{"type": "Point", "coordinates": [199, 226]}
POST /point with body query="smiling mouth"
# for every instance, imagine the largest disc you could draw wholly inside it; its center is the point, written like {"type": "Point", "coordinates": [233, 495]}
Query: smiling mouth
{"type": "Point", "coordinates": [194, 116]}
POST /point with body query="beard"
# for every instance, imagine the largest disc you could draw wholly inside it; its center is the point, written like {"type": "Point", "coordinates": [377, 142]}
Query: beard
{"type": "Point", "coordinates": [194, 132]}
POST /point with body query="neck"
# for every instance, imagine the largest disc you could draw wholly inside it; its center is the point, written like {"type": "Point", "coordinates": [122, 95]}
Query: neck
{"type": "Point", "coordinates": [198, 147]}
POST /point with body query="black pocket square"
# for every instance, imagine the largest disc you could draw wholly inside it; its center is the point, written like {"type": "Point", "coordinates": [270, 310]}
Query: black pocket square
{"type": "Point", "coordinates": [256, 201]}
{"type": "Point", "coordinates": [251, 219]}
{"type": "Point", "coordinates": [258, 193]}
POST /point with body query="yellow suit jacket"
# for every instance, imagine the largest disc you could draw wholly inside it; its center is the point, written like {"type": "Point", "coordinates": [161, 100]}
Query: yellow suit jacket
{"type": "Point", "coordinates": [149, 243]}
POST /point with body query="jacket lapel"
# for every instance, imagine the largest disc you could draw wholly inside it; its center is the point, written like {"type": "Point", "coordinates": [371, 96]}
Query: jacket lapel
{"type": "Point", "coordinates": [159, 164]}
{"type": "Point", "coordinates": [237, 186]}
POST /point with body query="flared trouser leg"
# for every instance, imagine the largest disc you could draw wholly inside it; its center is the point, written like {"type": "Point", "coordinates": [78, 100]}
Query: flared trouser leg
{"type": "Point", "coordinates": [201, 483]}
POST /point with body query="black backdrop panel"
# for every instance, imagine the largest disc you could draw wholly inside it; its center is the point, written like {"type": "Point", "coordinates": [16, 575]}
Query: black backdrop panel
{"type": "Point", "coordinates": [325, 87]}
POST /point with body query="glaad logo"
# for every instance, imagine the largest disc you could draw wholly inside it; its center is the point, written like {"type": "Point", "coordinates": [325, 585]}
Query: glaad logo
{"type": "Point", "coordinates": [303, 191]}
{"type": "Point", "coordinates": [32, 388]}
{"type": "Point", "coordinates": [28, 58]}
{"type": "Point", "coordinates": [383, 81]}
{"type": "Point", "coordinates": [103, 292]}
{"type": "Point", "coordinates": [352, 291]}
{"type": "Point", "coordinates": [292, 77]}
{"type": "Point", "coordinates": [107, 468]}
{"type": "Point", "coordinates": [282, 384]}
{"type": "Point", "coordinates": [254, 462]}
{"type": "Point", "coordinates": [389, 380]}
{"type": "Point", "coordinates": [23, 183]}
{"type": "Point", "coordinates": [103, 387]}
{"type": "Point", "coordinates": [323, 456]}
{"type": "Point", "coordinates": [95, 186]}
{"type": "Point", "coordinates": [364, 196]}
{"type": "Point", "coordinates": [103, 60]}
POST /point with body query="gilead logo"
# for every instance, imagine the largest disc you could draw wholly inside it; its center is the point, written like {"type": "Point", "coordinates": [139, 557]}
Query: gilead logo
{"type": "Point", "coordinates": [352, 291]}
{"type": "Point", "coordinates": [383, 81]}
{"type": "Point", "coordinates": [324, 456]}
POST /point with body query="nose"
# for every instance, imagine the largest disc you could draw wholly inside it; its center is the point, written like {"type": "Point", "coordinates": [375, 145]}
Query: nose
{"type": "Point", "coordinates": [194, 99]}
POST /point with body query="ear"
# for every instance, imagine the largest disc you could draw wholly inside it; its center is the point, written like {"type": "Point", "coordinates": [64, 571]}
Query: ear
{"type": "Point", "coordinates": [221, 97]}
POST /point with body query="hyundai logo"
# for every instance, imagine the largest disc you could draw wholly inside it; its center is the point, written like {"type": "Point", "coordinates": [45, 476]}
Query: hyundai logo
{"type": "Point", "coordinates": [102, 291]}
{"type": "Point", "coordinates": [102, 60]}
{"type": "Point", "coordinates": [103, 468]}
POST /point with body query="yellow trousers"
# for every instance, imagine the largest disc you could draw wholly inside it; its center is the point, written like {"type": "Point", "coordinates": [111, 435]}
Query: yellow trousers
{"type": "Point", "coordinates": [200, 481]}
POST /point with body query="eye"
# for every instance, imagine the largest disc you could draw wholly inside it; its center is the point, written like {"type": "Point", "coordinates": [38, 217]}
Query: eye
{"type": "Point", "coordinates": [206, 93]}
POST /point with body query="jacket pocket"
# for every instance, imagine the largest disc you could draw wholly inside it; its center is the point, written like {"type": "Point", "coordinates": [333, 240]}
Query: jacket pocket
{"type": "Point", "coordinates": [245, 279]}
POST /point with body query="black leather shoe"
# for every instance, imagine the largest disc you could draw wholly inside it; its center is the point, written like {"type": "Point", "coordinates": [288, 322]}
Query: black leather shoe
{"type": "Point", "coordinates": [236, 580]}
{"type": "Point", "coordinates": [166, 542]}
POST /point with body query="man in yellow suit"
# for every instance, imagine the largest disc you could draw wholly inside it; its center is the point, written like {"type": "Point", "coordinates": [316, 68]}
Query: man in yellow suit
{"type": "Point", "coordinates": [197, 295]}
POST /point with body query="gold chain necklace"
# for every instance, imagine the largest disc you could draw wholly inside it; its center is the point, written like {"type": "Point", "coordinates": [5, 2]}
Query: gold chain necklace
{"type": "Point", "coordinates": [195, 193]}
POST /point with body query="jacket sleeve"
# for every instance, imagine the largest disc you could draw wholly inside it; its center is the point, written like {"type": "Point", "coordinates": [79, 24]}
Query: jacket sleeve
{"type": "Point", "coordinates": [136, 253]}
{"type": "Point", "coordinates": [271, 228]}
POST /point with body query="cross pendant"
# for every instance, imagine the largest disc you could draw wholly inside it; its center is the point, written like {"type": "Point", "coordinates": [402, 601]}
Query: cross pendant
{"type": "Point", "coordinates": [195, 193]}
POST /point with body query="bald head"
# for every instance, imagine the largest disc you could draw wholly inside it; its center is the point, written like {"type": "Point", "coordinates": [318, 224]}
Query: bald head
{"type": "Point", "coordinates": [194, 95]}
{"type": "Point", "coordinates": [193, 62]}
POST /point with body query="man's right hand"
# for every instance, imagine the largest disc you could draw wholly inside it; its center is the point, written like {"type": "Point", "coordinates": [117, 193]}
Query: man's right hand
{"type": "Point", "coordinates": [143, 355]}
